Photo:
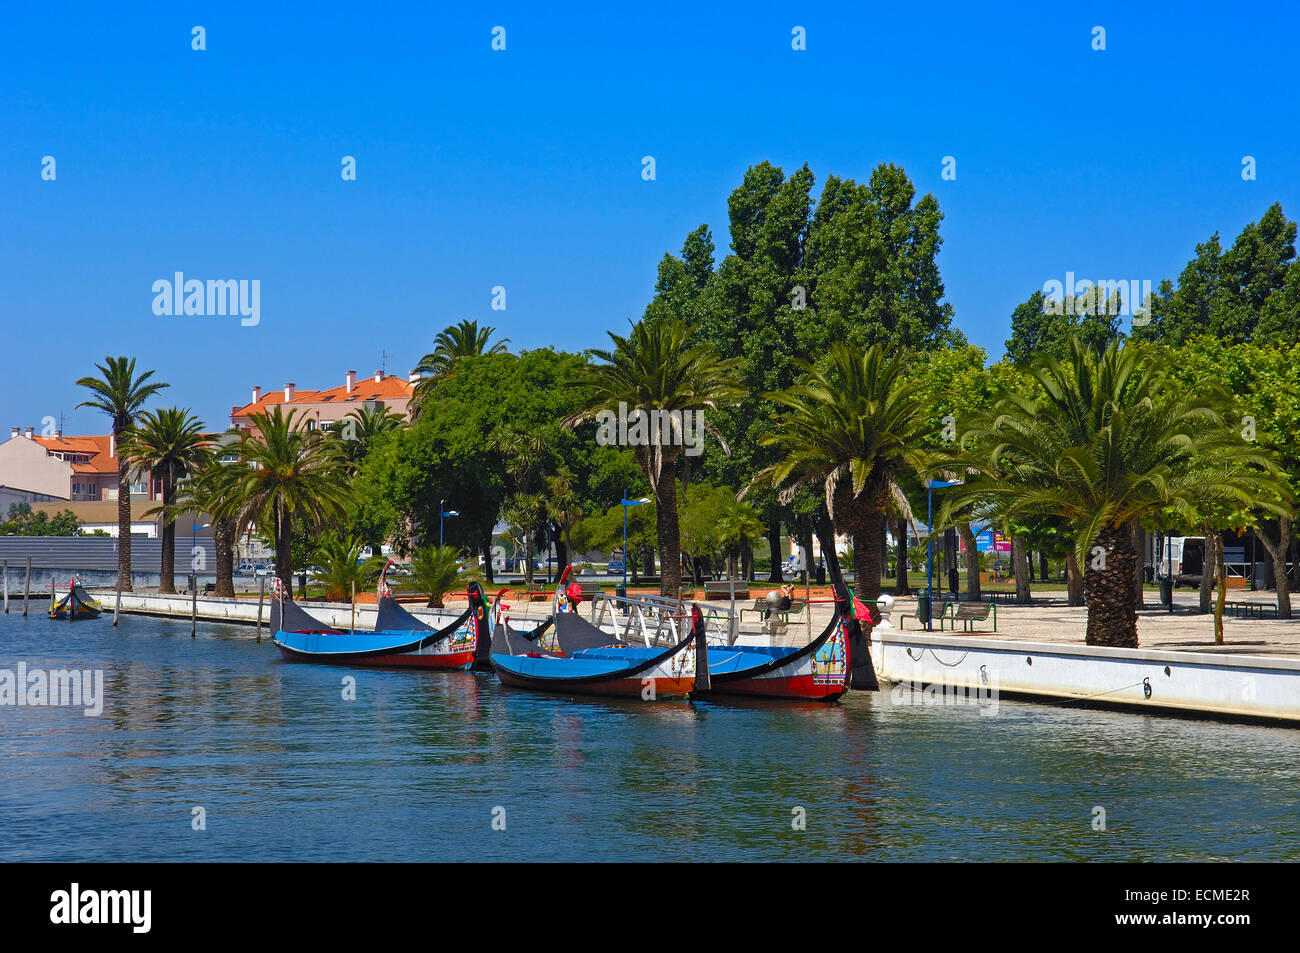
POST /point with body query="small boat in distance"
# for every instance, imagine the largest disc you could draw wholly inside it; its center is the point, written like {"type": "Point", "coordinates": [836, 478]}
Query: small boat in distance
{"type": "Point", "coordinates": [77, 604]}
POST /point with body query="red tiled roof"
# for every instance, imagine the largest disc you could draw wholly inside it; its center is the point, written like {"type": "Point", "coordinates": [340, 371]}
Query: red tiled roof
{"type": "Point", "coordinates": [96, 446]}
{"type": "Point", "coordinates": [366, 388]}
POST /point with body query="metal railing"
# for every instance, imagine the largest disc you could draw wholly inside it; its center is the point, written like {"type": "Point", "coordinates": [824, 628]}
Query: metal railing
{"type": "Point", "coordinates": [658, 620]}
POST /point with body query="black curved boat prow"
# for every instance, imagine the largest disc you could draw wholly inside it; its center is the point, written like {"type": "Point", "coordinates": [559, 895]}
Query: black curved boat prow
{"type": "Point", "coordinates": [286, 616]}
{"type": "Point", "coordinates": [393, 618]}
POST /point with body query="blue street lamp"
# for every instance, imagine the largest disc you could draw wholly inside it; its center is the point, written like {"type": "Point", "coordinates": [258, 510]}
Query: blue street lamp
{"type": "Point", "coordinates": [929, 549]}
{"type": "Point", "coordinates": [441, 514]}
{"type": "Point", "coordinates": [626, 504]}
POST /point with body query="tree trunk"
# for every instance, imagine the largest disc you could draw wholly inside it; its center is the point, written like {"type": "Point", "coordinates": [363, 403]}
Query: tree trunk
{"type": "Point", "coordinates": [223, 537]}
{"type": "Point", "coordinates": [670, 562]}
{"type": "Point", "coordinates": [486, 536]}
{"type": "Point", "coordinates": [1221, 580]}
{"type": "Point", "coordinates": [1043, 568]}
{"type": "Point", "coordinates": [1139, 580]}
{"type": "Point", "coordinates": [528, 559]}
{"type": "Point", "coordinates": [774, 545]}
{"type": "Point", "coordinates": [167, 565]}
{"type": "Point", "coordinates": [1108, 582]}
{"type": "Point", "coordinates": [1207, 569]}
{"type": "Point", "coordinates": [284, 550]}
{"type": "Point", "coordinates": [861, 516]}
{"type": "Point", "coordinates": [973, 591]}
{"type": "Point", "coordinates": [901, 585]}
{"type": "Point", "coordinates": [167, 568]}
{"type": "Point", "coordinates": [1277, 547]}
{"type": "Point", "coordinates": [1020, 566]}
{"type": "Point", "coordinates": [1073, 581]}
{"type": "Point", "coordinates": [123, 518]}
{"type": "Point", "coordinates": [950, 560]}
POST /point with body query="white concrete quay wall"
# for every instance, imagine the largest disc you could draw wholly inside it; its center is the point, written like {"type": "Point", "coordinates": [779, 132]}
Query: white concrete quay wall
{"type": "Point", "coordinates": [1213, 683]}
{"type": "Point", "coordinates": [338, 615]}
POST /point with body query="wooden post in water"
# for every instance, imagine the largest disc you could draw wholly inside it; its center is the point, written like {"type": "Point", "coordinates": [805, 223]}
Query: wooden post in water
{"type": "Point", "coordinates": [6, 585]}
{"type": "Point", "coordinates": [27, 585]}
{"type": "Point", "coordinates": [261, 595]}
{"type": "Point", "coordinates": [194, 602]}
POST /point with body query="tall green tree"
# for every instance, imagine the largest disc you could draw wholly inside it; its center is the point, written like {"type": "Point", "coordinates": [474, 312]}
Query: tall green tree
{"type": "Point", "coordinates": [1106, 446]}
{"type": "Point", "coordinates": [850, 430]}
{"type": "Point", "coordinates": [659, 368]}
{"type": "Point", "coordinates": [168, 444]}
{"type": "Point", "coordinates": [293, 477]}
{"type": "Point", "coordinates": [465, 339]}
{"type": "Point", "coordinates": [212, 488]}
{"type": "Point", "coordinates": [121, 394]}
{"type": "Point", "coordinates": [1248, 292]}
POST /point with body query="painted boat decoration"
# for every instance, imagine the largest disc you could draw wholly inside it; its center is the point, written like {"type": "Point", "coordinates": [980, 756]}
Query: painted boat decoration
{"type": "Point", "coordinates": [572, 656]}
{"type": "Point", "coordinates": [77, 604]}
{"type": "Point", "coordinates": [819, 670]}
{"type": "Point", "coordinates": [404, 642]}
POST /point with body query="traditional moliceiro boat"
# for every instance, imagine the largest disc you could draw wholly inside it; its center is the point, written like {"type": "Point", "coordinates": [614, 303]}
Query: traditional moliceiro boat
{"type": "Point", "coordinates": [569, 655]}
{"type": "Point", "coordinates": [400, 640]}
{"type": "Point", "coordinates": [824, 669]}
{"type": "Point", "coordinates": [77, 604]}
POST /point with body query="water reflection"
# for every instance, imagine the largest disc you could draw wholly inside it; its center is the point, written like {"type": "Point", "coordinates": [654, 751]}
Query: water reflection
{"type": "Point", "coordinates": [416, 765]}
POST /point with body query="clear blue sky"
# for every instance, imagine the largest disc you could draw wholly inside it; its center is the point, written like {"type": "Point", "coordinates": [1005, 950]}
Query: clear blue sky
{"type": "Point", "coordinates": [523, 168]}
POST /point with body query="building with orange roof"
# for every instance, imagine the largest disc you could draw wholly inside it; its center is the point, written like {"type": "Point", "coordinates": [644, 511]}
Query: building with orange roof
{"type": "Point", "coordinates": [83, 469]}
{"type": "Point", "coordinates": [317, 409]}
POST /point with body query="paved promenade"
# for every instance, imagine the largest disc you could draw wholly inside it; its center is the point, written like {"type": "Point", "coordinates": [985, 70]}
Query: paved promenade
{"type": "Point", "coordinates": [1049, 619]}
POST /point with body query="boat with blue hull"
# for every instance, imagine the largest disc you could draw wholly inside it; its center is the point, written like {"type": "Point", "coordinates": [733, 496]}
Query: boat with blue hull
{"type": "Point", "coordinates": [568, 653]}
{"type": "Point", "coordinates": [403, 642]}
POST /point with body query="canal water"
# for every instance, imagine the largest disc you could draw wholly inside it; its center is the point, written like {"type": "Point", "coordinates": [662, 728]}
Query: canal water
{"type": "Point", "coordinates": [213, 749]}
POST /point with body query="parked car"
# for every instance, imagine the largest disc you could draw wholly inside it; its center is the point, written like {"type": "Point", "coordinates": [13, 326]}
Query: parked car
{"type": "Point", "coordinates": [615, 567]}
{"type": "Point", "coordinates": [261, 570]}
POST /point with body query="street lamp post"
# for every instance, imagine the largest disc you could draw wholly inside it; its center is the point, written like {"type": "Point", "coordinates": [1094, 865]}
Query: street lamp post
{"type": "Point", "coordinates": [929, 550]}
{"type": "Point", "coordinates": [626, 503]}
{"type": "Point", "coordinates": [441, 514]}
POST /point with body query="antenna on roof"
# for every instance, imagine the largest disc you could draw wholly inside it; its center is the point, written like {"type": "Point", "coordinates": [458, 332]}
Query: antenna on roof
{"type": "Point", "coordinates": [383, 362]}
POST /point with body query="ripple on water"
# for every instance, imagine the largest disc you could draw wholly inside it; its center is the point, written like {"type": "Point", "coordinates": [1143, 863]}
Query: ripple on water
{"type": "Point", "coordinates": [419, 764]}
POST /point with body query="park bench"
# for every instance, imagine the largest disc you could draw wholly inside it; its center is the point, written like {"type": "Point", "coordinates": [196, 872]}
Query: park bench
{"type": "Point", "coordinates": [1246, 610]}
{"type": "Point", "coordinates": [968, 613]}
{"type": "Point", "coordinates": [209, 588]}
{"type": "Point", "coordinates": [943, 609]}
{"type": "Point", "coordinates": [721, 589]}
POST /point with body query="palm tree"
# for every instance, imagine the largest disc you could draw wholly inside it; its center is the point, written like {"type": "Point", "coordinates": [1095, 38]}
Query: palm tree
{"type": "Point", "coordinates": [562, 508]}
{"type": "Point", "coordinates": [738, 521]}
{"type": "Point", "coordinates": [436, 570]}
{"type": "Point", "coordinates": [291, 474]}
{"type": "Point", "coordinates": [213, 489]}
{"type": "Point", "coordinates": [342, 567]}
{"type": "Point", "coordinates": [465, 339]}
{"type": "Point", "coordinates": [362, 427]}
{"type": "Point", "coordinates": [657, 370]}
{"type": "Point", "coordinates": [169, 444]}
{"type": "Point", "coordinates": [1107, 445]}
{"type": "Point", "coordinates": [121, 395]}
{"type": "Point", "coordinates": [522, 514]}
{"type": "Point", "coordinates": [851, 430]}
